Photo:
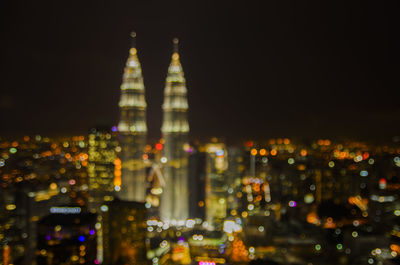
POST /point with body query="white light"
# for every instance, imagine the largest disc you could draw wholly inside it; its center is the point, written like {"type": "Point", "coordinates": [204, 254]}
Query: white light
{"type": "Point", "coordinates": [65, 210]}
{"type": "Point", "coordinates": [104, 208]}
{"type": "Point", "coordinates": [190, 223]}
{"type": "Point", "coordinates": [163, 160]}
{"type": "Point", "coordinates": [117, 188]}
{"type": "Point", "coordinates": [229, 226]}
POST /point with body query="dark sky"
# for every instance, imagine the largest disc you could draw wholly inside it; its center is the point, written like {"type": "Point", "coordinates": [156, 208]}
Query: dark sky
{"type": "Point", "coordinates": [254, 69]}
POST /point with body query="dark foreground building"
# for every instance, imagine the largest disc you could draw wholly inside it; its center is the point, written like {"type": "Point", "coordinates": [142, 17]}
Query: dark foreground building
{"type": "Point", "coordinates": [67, 236]}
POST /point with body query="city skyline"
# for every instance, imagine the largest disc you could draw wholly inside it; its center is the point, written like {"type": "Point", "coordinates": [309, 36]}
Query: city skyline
{"type": "Point", "coordinates": [303, 70]}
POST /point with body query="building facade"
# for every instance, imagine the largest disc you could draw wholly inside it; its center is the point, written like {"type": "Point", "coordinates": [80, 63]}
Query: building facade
{"type": "Point", "coordinates": [175, 129]}
{"type": "Point", "coordinates": [102, 153]}
{"type": "Point", "coordinates": [132, 130]}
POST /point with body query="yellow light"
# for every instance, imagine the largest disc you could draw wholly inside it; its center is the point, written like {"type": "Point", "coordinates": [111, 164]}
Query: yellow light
{"type": "Point", "coordinates": [53, 186]}
{"type": "Point", "coordinates": [133, 51]}
{"type": "Point", "coordinates": [11, 207]}
{"type": "Point", "coordinates": [175, 56]}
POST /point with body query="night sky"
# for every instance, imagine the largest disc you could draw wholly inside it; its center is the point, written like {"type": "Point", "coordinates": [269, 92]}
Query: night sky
{"type": "Point", "coordinates": [254, 69]}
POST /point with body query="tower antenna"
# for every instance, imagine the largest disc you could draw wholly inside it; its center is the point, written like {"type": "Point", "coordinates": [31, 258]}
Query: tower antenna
{"type": "Point", "coordinates": [133, 35]}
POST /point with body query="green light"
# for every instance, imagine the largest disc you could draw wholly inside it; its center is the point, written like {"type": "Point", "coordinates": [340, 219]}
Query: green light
{"type": "Point", "coordinates": [13, 150]}
{"type": "Point", "coordinates": [339, 246]}
{"type": "Point", "coordinates": [318, 247]}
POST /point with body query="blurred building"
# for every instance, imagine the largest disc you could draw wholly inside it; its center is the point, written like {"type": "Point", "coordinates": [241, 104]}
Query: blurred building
{"type": "Point", "coordinates": [132, 130]}
{"type": "Point", "coordinates": [67, 236]}
{"type": "Point", "coordinates": [102, 152]}
{"type": "Point", "coordinates": [216, 186]}
{"type": "Point", "coordinates": [124, 232]}
{"type": "Point", "coordinates": [197, 178]}
{"type": "Point", "coordinates": [175, 129]}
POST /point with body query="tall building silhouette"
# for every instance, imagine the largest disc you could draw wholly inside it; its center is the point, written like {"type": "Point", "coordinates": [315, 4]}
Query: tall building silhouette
{"type": "Point", "coordinates": [175, 129]}
{"type": "Point", "coordinates": [132, 129]}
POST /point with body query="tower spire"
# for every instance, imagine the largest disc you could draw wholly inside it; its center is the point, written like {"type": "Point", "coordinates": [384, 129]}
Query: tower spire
{"type": "Point", "coordinates": [175, 41]}
{"type": "Point", "coordinates": [133, 50]}
{"type": "Point", "coordinates": [133, 41]}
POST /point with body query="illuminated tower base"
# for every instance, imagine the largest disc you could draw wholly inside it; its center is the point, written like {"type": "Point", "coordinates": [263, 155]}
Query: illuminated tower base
{"type": "Point", "coordinates": [133, 174]}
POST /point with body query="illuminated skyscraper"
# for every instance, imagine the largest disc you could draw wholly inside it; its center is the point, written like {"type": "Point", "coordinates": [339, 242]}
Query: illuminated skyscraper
{"type": "Point", "coordinates": [102, 152]}
{"type": "Point", "coordinates": [175, 129]}
{"type": "Point", "coordinates": [132, 130]}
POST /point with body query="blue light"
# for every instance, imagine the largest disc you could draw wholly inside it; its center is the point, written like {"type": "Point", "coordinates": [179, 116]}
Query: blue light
{"type": "Point", "coordinates": [81, 238]}
{"type": "Point", "coordinates": [220, 153]}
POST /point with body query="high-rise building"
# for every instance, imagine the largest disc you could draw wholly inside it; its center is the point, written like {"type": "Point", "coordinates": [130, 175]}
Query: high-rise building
{"type": "Point", "coordinates": [132, 130]}
{"type": "Point", "coordinates": [102, 153]}
{"type": "Point", "coordinates": [216, 186]}
{"type": "Point", "coordinates": [123, 232]}
{"type": "Point", "coordinates": [175, 129]}
{"type": "Point", "coordinates": [197, 179]}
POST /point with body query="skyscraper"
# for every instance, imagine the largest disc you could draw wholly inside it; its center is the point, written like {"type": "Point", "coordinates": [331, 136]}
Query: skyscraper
{"type": "Point", "coordinates": [132, 129]}
{"type": "Point", "coordinates": [102, 152]}
{"type": "Point", "coordinates": [175, 129]}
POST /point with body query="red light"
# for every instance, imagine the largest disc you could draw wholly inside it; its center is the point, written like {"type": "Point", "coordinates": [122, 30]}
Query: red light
{"type": "Point", "coordinates": [159, 147]}
{"type": "Point", "coordinates": [249, 143]}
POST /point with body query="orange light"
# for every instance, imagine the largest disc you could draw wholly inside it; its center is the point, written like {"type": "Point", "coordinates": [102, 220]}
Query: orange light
{"type": "Point", "coordinates": [263, 152]}
{"type": "Point", "coordinates": [395, 247]}
{"type": "Point", "coordinates": [117, 172]}
{"type": "Point", "coordinates": [253, 151]}
{"type": "Point", "coordinates": [286, 141]}
{"type": "Point", "coordinates": [303, 152]}
{"type": "Point", "coordinates": [274, 152]}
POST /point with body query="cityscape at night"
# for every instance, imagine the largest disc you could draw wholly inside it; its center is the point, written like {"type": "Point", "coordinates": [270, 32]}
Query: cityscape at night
{"type": "Point", "coordinates": [199, 133]}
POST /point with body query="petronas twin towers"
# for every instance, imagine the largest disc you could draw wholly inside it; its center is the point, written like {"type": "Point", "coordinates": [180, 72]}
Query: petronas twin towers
{"type": "Point", "coordinates": [175, 128]}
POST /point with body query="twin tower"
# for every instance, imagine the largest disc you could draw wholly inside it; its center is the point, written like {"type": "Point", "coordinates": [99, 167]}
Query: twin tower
{"type": "Point", "coordinates": [133, 133]}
